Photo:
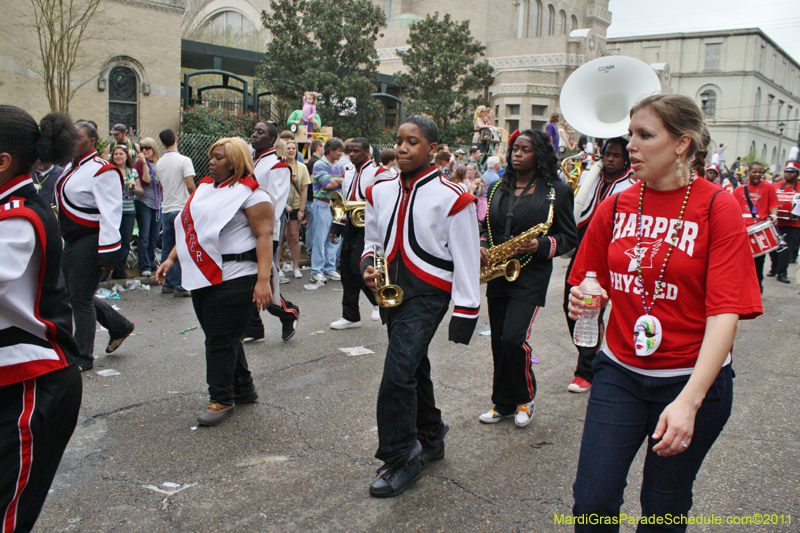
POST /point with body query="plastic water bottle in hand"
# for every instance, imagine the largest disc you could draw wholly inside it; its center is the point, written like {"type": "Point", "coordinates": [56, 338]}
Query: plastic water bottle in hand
{"type": "Point", "coordinates": [586, 327]}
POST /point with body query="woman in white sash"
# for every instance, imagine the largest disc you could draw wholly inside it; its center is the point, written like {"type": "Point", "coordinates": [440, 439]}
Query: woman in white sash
{"type": "Point", "coordinates": [224, 244]}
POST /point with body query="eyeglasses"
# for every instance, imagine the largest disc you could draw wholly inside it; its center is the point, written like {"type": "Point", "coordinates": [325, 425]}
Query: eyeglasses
{"type": "Point", "coordinates": [146, 147]}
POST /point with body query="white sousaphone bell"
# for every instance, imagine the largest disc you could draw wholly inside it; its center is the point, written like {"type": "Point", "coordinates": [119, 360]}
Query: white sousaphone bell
{"type": "Point", "coordinates": [596, 100]}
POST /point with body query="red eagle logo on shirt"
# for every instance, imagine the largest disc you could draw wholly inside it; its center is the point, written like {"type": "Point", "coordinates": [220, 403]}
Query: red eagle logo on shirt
{"type": "Point", "coordinates": [647, 258]}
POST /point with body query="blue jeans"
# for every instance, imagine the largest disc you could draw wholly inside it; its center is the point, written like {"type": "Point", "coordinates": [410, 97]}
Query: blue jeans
{"type": "Point", "coordinates": [407, 410]}
{"type": "Point", "coordinates": [323, 256]}
{"type": "Point", "coordinates": [622, 413]}
{"type": "Point", "coordinates": [149, 228]}
{"type": "Point", "coordinates": [126, 232]}
{"type": "Point", "coordinates": [173, 277]}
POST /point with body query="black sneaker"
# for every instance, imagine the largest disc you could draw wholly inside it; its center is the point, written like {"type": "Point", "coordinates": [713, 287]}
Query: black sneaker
{"type": "Point", "coordinates": [771, 274]}
{"type": "Point", "coordinates": [289, 328]}
{"type": "Point", "coordinates": [783, 278]}
{"type": "Point", "coordinates": [247, 397]}
{"type": "Point", "coordinates": [394, 480]}
{"type": "Point", "coordinates": [113, 344]}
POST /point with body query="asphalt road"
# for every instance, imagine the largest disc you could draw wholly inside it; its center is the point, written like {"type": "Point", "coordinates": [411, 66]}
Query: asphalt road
{"type": "Point", "coordinates": [301, 459]}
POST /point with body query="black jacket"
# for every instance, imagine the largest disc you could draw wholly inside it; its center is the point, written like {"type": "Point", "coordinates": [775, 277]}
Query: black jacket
{"type": "Point", "coordinates": [529, 211]}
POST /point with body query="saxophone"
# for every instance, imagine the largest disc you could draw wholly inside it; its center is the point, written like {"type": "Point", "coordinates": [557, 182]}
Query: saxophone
{"type": "Point", "coordinates": [501, 257]}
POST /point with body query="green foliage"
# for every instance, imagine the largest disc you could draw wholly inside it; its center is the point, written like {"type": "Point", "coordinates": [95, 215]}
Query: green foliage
{"type": "Point", "coordinates": [443, 69]}
{"type": "Point", "coordinates": [326, 46]}
{"type": "Point", "coordinates": [217, 122]}
{"type": "Point", "coordinates": [751, 158]}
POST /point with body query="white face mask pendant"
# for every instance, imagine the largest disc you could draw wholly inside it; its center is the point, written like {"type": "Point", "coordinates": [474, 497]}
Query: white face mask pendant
{"type": "Point", "coordinates": [647, 335]}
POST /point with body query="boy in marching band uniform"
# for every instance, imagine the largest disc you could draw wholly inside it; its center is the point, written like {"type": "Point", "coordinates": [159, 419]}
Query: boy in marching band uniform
{"type": "Point", "coordinates": [425, 228]}
{"type": "Point", "coordinates": [357, 179]}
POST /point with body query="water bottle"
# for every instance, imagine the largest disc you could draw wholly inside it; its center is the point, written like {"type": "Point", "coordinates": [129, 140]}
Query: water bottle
{"type": "Point", "coordinates": [586, 327]}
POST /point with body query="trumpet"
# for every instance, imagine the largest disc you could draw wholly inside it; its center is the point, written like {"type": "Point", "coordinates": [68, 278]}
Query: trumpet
{"type": "Point", "coordinates": [574, 176]}
{"type": "Point", "coordinates": [340, 207]}
{"type": "Point", "coordinates": [388, 295]}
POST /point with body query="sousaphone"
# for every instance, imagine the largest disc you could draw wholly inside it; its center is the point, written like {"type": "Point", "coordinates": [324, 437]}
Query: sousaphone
{"type": "Point", "coordinates": [596, 100]}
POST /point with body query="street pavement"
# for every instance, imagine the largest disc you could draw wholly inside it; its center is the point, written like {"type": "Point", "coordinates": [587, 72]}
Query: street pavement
{"type": "Point", "coordinates": [301, 458]}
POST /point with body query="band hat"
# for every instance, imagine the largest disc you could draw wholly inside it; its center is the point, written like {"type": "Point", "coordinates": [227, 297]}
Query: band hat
{"type": "Point", "coordinates": [714, 167]}
{"type": "Point", "coordinates": [118, 128]}
{"type": "Point", "coordinates": [792, 166]}
{"type": "Point", "coordinates": [588, 158]}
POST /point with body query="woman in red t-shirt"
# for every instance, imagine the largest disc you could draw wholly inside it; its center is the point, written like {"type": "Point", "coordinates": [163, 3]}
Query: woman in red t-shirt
{"type": "Point", "coordinates": [665, 372]}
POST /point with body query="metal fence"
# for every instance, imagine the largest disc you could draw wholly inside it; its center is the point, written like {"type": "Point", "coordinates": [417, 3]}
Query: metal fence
{"type": "Point", "coordinates": [193, 145]}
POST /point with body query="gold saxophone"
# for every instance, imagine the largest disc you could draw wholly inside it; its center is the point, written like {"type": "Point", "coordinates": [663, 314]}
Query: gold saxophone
{"type": "Point", "coordinates": [501, 257]}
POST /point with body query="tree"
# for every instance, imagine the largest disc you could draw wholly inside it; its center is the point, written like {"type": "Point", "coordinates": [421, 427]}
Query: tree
{"type": "Point", "coordinates": [61, 25]}
{"type": "Point", "coordinates": [327, 46]}
{"type": "Point", "coordinates": [442, 71]}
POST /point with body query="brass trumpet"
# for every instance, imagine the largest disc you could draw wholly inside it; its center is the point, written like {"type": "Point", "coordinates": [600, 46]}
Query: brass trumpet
{"type": "Point", "coordinates": [388, 295]}
{"type": "Point", "coordinates": [340, 207]}
{"type": "Point", "coordinates": [573, 177]}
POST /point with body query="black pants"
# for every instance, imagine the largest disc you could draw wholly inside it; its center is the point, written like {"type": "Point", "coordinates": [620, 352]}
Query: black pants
{"type": "Point", "coordinates": [222, 311]}
{"type": "Point", "coordinates": [514, 382]}
{"type": "Point", "coordinates": [350, 269]}
{"type": "Point", "coordinates": [760, 269]}
{"type": "Point", "coordinates": [407, 410]}
{"type": "Point", "coordinates": [283, 309]}
{"type": "Point", "coordinates": [585, 354]}
{"type": "Point", "coordinates": [780, 261]}
{"type": "Point", "coordinates": [37, 418]}
{"type": "Point", "coordinates": [82, 275]}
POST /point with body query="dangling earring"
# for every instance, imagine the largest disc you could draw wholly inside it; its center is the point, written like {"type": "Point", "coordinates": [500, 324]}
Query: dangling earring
{"type": "Point", "coordinates": [683, 179]}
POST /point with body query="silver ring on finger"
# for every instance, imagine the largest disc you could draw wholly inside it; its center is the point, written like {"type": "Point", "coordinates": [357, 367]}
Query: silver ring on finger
{"type": "Point", "coordinates": [683, 445]}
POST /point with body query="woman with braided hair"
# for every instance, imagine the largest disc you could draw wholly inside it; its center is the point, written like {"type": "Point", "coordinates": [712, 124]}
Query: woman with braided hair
{"type": "Point", "coordinates": [519, 201]}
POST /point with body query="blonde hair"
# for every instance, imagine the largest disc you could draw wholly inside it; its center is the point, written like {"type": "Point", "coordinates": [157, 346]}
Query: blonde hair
{"type": "Point", "coordinates": [149, 141]}
{"type": "Point", "coordinates": [681, 116]}
{"type": "Point", "coordinates": [478, 110]}
{"type": "Point", "coordinates": [238, 155]}
{"type": "Point", "coordinates": [280, 148]}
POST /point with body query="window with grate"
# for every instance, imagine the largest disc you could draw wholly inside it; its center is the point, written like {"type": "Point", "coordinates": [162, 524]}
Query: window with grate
{"type": "Point", "coordinates": [512, 109]}
{"type": "Point", "coordinates": [122, 97]}
{"type": "Point", "coordinates": [713, 55]}
{"type": "Point", "coordinates": [538, 110]}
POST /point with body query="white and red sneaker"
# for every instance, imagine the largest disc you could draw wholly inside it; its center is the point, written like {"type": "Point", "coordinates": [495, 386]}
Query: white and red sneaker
{"type": "Point", "coordinates": [579, 385]}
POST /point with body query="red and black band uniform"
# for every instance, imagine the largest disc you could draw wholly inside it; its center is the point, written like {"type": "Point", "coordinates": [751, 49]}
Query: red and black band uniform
{"type": "Point", "coordinates": [354, 186]}
{"type": "Point", "coordinates": [40, 392]}
{"type": "Point", "coordinates": [601, 190]}
{"type": "Point", "coordinates": [430, 239]}
{"type": "Point", "coordinates": [216, 248]}
{"type": "Point", "coordinates": [790, 229]}
{"type": "Point", "coordinates": [89, 201]}
{"type": "Point", "coordinates": [274, 174]}
{"type": "Point", "coordinates": [764, 200]}
{"type": "Point", "coordinates": [513, 305]}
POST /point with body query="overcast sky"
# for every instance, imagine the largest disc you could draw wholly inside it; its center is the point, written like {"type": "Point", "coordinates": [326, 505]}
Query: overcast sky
{"type": "Point", "coordinates": [780, 19]}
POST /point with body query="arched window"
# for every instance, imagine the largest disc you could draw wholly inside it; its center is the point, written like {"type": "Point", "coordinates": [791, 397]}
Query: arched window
{"type": "Point", "coordinates": [522, 24]}
{"type": "Point", "coordinates": [561, 23]}
{"type": "Point", "coordinates": [549, 17]}
{"type": "Point", "coordinates": [232, 21]}
{"type": "Point", "coordinates": [710, 107]}
{"type": "Point", "coordinates": [764, 153]}
{"type": "Point", "coordinates": [574, 23]}
{"type": "Point", "coordinates": [758, 104]}
{"type": "Point", "coordinates": [536, 18]}
{"type": "Point", "coordinates": [774, 159]}
{"type": "Point", "coordinates": [122, 97]}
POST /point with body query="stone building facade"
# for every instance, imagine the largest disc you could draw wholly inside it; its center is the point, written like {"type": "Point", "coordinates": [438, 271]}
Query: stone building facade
{"type": "Point", "coordinates": [749, 83]}
{"type": "Point", "coordinates": [128, 70]}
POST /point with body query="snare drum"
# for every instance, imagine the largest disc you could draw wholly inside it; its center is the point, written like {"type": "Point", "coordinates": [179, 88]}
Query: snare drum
{"type": "Point", "coordinates": [787, 201]}
{"type": "Point", "coordinates": [763, 236]}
